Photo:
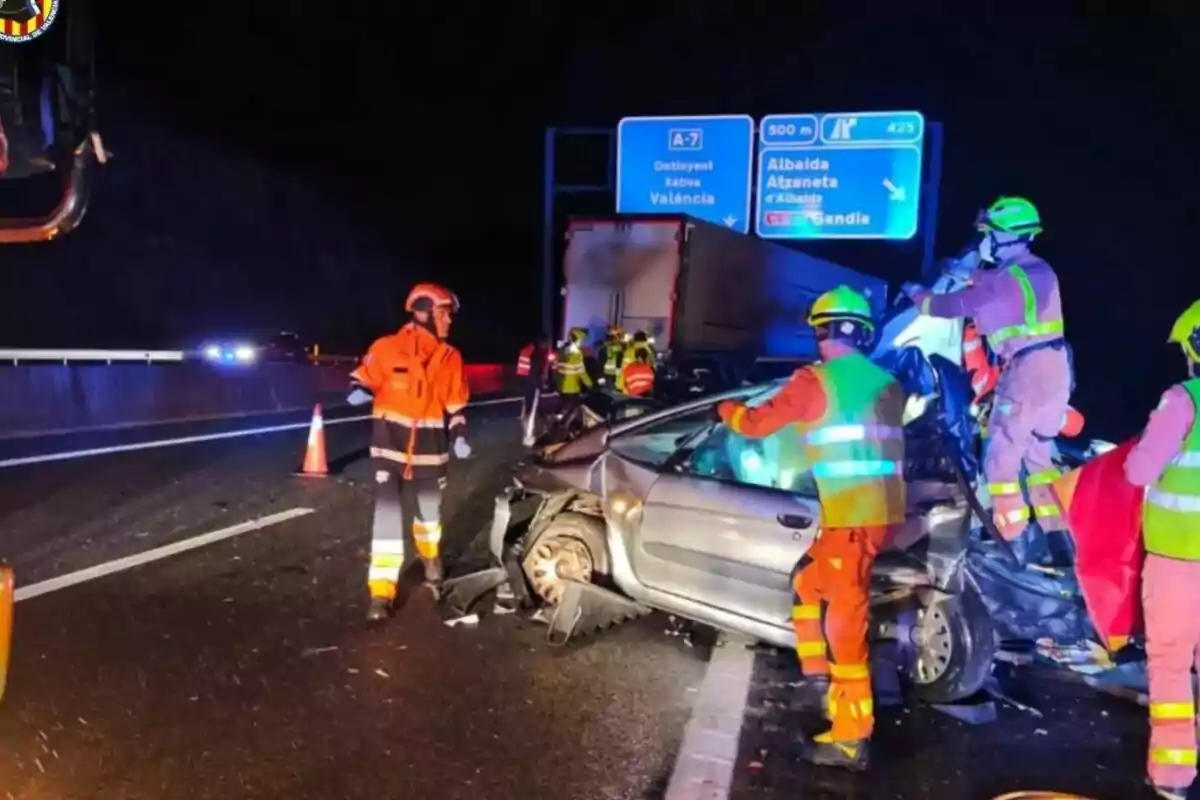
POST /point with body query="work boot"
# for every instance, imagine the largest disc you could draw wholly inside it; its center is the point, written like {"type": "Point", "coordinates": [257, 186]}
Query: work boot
{"type": "Point", "coordinates": [379, 611]}
{"type": "Point", "coordinates": [850, 755]}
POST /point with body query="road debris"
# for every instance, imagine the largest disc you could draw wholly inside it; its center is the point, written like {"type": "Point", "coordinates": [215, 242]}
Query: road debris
{"type": "Point", "coordinates": [381, 673]}
{"type": "Point", "coordinates": [316, 651]}
{"type": "Point", "coordinates": [470, 620]}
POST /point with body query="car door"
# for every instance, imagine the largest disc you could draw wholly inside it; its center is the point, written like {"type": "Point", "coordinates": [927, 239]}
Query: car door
{"type": "Point", "coordinates": [717, 530]}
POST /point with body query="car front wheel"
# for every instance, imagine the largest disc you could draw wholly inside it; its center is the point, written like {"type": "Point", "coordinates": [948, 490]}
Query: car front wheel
{"type": "Point", "coordinates": [952, 644]}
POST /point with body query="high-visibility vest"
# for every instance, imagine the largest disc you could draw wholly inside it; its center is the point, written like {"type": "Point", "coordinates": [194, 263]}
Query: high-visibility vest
{"type": "Point", "coordinates": [638, 379]}
{"type": "Point", "coordinates": [1031, 326]}
{"type": "Point", "coordinates": [571, 370]}
{"type": "Point", "coordinates": [525, 361]}
{"type": "Point", "coordinates": [857, 448]}
{"type": "Point", "coordinates": [1171, 512]}
{"type": "Point", "coordinates": [612, 352]}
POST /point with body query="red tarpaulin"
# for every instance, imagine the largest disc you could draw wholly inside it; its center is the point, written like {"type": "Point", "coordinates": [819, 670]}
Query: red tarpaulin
{"type": "Point", "coordinates": [1104, 512]}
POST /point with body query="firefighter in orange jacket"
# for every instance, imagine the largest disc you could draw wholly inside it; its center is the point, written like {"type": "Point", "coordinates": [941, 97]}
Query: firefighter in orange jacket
{"type": "Point", "coordinates": [420, 390]}
{"type": "Point", "coordinates": [849, 413]}
{"type": "Point", "coordinates": [637, 376]}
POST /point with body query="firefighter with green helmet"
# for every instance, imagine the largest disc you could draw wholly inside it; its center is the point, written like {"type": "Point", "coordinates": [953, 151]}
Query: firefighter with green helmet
{"type": "Point", "coordinates": [847, 415]}
{"type": "Point", "coordinates": [1015, 302]}
{"type": "Point", "coordinates": [1166, 460]}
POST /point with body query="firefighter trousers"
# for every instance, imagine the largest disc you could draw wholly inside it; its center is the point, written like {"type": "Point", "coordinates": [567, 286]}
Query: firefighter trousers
{"type": "Point", "coordinates": [1027, 412]}
{"type": "Point", "coordinates": [1172, 610]}
{"type": "Point", "coordinates": [831, 590]}
{"type": "Point", "coordinates": [387, 532]}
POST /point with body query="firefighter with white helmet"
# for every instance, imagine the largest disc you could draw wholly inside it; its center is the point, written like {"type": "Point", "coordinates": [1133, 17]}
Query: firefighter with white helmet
{"type": "Point", "coordinates": [419, 390]}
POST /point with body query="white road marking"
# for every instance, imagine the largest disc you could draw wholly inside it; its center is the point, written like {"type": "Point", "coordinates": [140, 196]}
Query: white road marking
{"type": "Point", "coordinates": [207, 437]}
{"type": "Point", "coordinates": [706, 762]}
{"type": "Point", "coordinates": [129, 562]}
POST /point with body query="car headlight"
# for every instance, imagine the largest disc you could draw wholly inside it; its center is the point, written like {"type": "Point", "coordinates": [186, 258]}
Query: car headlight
{"type": "Point", "coordinates": [244, 353]}
{"type": "Point", "coordinates": [212, 352]}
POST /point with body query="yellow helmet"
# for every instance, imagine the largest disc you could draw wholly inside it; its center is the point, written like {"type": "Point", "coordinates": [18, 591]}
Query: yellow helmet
{"type": "Point", "coordinates": [842, 303]}
{"type": "Point", "coordinates": [1186, 331]}
{"type": "Point", "coordinates": [577, 335]}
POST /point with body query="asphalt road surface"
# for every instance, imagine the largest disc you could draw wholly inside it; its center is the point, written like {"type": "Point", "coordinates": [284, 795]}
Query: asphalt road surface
{"type": "Point", "coordinates": [242, 668]}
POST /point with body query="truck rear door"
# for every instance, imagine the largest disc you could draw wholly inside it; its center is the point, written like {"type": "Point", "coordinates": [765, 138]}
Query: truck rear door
{"type": "Point", "coordinates": [621, 271]}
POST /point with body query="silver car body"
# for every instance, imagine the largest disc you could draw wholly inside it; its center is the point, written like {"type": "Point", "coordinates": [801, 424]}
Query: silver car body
{"type": "Point", "coordinates": [720, 550]}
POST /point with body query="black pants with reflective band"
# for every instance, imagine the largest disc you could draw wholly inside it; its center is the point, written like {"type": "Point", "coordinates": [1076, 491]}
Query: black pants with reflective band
{"type": "Point", "coordinates": [388, 534]}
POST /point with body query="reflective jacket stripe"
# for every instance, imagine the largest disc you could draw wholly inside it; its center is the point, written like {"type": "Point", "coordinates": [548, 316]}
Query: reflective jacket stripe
{"type": "Point", "coordinates": [1171, 513]}
{"type": "Point", "coordinates": [1031, 326]}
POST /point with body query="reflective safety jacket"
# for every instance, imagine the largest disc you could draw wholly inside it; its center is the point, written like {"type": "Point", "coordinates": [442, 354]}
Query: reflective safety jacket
{"type": "Point", "coordinates": [1015, 306]}
{"type": "Point", "coordinates": [525, 361]}
{"type": "Point", "coordinates": [610, 353]}
{"type": "Point", "coordinates": [633, 348]}
{"type": "Point", "coordinates": [420, 391]}
{"type": "Point", "coordinates": [571, 370]}
{"type": "Point", "coordinates": [636, 379]}
{"type": "Point", "coordinates": [848, 414]}
{"type": "Point", "coordinates": [1171, 511]}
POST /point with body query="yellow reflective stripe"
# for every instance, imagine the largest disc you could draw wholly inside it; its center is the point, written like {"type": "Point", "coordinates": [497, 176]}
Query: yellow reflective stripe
{"type": "Point", "coordinates": [866, 708]}
{"type": "Point", "coordinates": [1004, 488]}
{"type": "Point", "coordinates": [1047, 511]}
{"type": "Point", "coordinates": [735, 422]}
{"type": "Point", "coordinates": [1167, 711]}
{"type": "Point", "coordinates": [806, 612]}
{"type": "Point", "coordinates": [816, 648]}
{"type": "Point", "coordinates": [849, 672]}
{"type": "Point", "coordinates": [1044, 478]}
{"type": "Point", "coordinates": [1178, 757]}
{"type": "Point", "coordinates": [386, 560]}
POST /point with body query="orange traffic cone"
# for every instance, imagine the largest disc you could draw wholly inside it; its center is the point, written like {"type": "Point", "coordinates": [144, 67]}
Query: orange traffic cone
{"type": "Point", "coordinates": [6, 619]}
{"type": "Point", "coordinates": [315, 465]}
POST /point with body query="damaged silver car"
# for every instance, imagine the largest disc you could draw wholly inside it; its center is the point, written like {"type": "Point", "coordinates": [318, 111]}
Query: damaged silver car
{"type": "Point", "coordinates": [671, 511]}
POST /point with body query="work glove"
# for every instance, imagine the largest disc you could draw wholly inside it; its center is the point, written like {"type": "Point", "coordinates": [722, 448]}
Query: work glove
{"type": "Point", "coordinates": [917, 293]}
{"type": "Point", "coordinates": [359, 397]}
{"type": "Point", "coordinates": [461, 448]}
{"type": "Point", "coordinates": [726, 410]}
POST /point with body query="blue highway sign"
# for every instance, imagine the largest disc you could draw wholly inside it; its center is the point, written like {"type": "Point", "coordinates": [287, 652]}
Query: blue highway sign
{"type": "Point", "coordinates": [840, 176]}
{"type": "Point", "coordinates": [700, 166]}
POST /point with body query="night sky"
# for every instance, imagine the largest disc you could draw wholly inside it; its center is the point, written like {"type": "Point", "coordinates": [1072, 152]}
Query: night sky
{"type": "Point", "coordinates": [300, 164]}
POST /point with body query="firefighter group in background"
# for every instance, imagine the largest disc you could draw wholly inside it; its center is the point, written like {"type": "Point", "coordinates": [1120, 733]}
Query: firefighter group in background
{"type": "Point", "coordinates": [622, 362]}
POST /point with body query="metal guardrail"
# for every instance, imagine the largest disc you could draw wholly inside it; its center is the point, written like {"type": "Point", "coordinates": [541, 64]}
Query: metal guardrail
{"type": "Point", "coordinates": [18, 356]}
